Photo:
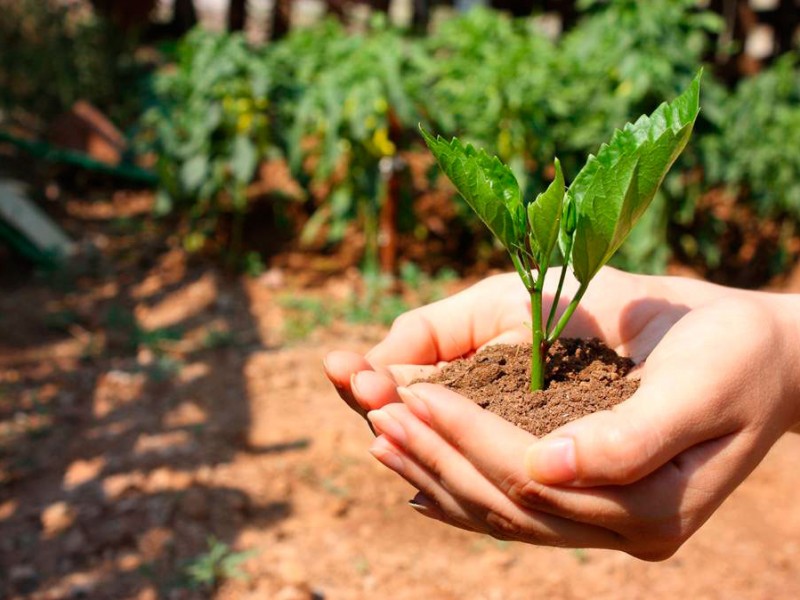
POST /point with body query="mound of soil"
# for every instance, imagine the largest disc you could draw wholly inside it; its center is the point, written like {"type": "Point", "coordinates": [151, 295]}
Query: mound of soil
{"type": "Point", "coordinates": [582, 377]}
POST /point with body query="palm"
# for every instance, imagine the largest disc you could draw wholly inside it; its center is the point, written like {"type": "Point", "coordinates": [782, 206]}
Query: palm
{"type": "Point", "coordinates": [497, 310]}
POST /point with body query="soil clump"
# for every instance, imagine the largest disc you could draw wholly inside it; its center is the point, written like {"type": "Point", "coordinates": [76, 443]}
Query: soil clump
{"type": "Point", "coordinates": [582, 377]}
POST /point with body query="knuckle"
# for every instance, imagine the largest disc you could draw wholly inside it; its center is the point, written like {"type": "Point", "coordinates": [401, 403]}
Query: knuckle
{"type": "Point", "coordinates": [503, 527]}
{"type": "Point", "coordinates": [436, 465]}
{"type": "Point", "coordinates": [526, 492]}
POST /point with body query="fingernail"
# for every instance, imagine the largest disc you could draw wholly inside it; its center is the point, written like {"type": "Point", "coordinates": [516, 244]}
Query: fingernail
{"type": "Point", "coordinates": [386, 424]}
{"type": "Point", "coordinates": [552, 461]}
{"type": "Point", "coordinates": [421, 503]}
{"type": "Point", "coordinates": [380, 450]}
{"type": "Point", "coordinates": [338, 386]}
{"type": "Point", "coordinates": [415, 404]}
{"type": "Point", "coordinates": [353, 385]}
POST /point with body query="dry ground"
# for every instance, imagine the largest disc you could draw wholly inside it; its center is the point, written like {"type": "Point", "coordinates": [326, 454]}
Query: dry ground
{"type": "Point", "coordinates": [124, 445]}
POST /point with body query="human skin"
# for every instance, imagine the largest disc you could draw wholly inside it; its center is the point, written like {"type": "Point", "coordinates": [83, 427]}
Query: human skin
{"type": "Point", "coordinates": [719, 386]}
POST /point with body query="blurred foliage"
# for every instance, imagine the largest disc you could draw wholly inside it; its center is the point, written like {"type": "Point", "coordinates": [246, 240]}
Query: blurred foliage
{"type": "Point", "coordinates": [380, 300]}
{"type": "Point", "coordinates": [209, 128]}
{"type": "Point", "coordinates": [340, 106]}
{"type": "Point", "coordinates": [753, 149]}
{"type": "Point", "coordinates": [53, 54]}
{"type": "Point", "coordinates": [348, 96]}
{"type": "Point", "coordinates": [217, 565]}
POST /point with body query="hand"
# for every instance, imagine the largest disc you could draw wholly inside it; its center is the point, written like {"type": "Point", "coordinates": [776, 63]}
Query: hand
{"type": "Point", "coordinates": [641, 478]}
{"type": "Point", "coordinates": [497, 310]}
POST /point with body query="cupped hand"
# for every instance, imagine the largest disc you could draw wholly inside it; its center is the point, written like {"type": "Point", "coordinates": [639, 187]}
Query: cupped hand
{"type": "Point", "coordinates": [718, 388]}
{"type": "Point", "coordinates": [618, 308]}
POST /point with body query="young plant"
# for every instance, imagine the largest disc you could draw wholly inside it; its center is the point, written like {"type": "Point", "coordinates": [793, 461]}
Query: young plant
{"type": "Point", "coordinates": [588, 221]}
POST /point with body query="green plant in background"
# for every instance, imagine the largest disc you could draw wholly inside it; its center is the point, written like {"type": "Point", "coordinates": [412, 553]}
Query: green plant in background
{"type": "Point", "coordinates": [589, 221]}
{"type": "Point", "coordinates": [218, 564]}
{"type": "Point", "coordinates": [348, 95]}
{"type": "Point", "coordinates": [754, 151]}
{"type": "Point", "coordinates": [209, 128]}
{"type": "Point", "coordinates": [338, 106]}
{"type": "Point", "coordinates": [379, 302]}
{"type": "Point", "coordinates": [56, 53]}
{"type": "Point", "coordinates": [490, 80]}
{"type": "Point", "coordinates": [620, 59]}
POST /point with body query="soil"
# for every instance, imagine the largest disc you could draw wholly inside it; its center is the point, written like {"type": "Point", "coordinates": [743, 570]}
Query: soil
{"type": "Point", "coordinates": [581, 377]}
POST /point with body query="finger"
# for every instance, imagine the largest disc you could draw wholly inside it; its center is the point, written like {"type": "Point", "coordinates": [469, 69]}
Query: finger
{"type": "Point", "coordinates": [340, 366]}
{"type": "Point", "coordinates": [499, 515]}
{"type": "Point", "coordinates": [428, 508]}
{"type": "Point", "coordinates": [657, 514]}
{"type": "Point", "coordinates": [466, 426]}
{"type": "Point", "coordinates": [623, 445]}
{"type": "Point", "coordinates": [447, 508]}
{"type": "Point", "coordinates": [406, 374]}
{"type": "Point", "coordinates": [683, 401]}
{"type": "Point", "coordinates": [457, 325]}
{"type": "Point", "coordinates": [643, 506]}
{"type": "Point", "coordinates": [372, 390]}
{"type": "Point", "coordinates": [653, 516]}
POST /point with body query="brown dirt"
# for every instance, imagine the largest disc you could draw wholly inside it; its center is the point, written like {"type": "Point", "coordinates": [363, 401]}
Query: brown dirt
{"type": "Point", "coordinates": [582, 377]}
{"type": "Point", "coordinates": [728, 242]}
{"type": "Point", "coordinates": [122, 451]}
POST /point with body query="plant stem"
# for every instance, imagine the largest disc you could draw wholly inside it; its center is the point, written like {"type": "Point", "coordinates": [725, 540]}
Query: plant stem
{"type": "Point", "coordinates": [557, 297]}
{"type": "Point", "coordinates": [562, 322]}
{"type": "Point", "coordinates": [539, 344]}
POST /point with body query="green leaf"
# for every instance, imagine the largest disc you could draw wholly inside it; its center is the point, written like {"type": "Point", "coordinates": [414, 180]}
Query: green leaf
{"type": "Point", "coordinates": [488, 186]}
{"type": "Point", "coordinates": [614, 188]}
{"type": "Point", "coordinates": [193, 172]}
{"type": "Point", "coordinates": [244, 159]}
{"type": "Point", "coordinates": [544, 217]}
{"type": "Point", "coordinates": [594, 230]}
{"type": "Point", "coordinates": [163, 203]}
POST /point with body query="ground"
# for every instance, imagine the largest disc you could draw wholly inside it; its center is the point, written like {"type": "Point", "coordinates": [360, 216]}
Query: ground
{"type": "Point", "coordinates": [155, 409]}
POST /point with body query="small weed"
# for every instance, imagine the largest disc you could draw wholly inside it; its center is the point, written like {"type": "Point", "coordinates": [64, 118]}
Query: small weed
{"type": "Point", "coordinates": [155, 339]}
{"type": "Point", "coordinates": [330, 486]}
{"type": "Point", "coordinates": [123, 323]}
{"type": "Point", "coordinates": [218, 338]}
{"type": "Point", "coordinates": [378, 303]}
{"type": "Point", "coordinates": [304, 315]}
{"type": "Point", "coordinates": [215, 566]}
{"type": "Point", "coordinates": [252, 264]}
{"type": "Point", "coordinates": [128, 225]}
{"type": "Point", "coordinates": [361, 565]}
{"type": "Point", "coordinates": [580, 555]}
{"type": "Point", "coordinates": [163, 368]}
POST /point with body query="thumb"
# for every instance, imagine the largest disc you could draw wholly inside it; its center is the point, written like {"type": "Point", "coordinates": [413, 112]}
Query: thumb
{"type": "Point", "coordinates": [620, 446]}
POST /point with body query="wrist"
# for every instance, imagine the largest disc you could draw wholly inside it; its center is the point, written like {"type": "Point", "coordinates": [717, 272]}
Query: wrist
{"type": "Point", "coordinates": [786, 309]}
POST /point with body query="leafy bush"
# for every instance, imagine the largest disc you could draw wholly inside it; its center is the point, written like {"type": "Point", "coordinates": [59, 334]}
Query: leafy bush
{"type": "Point", "coordinates": [55, 53]}
{"type": "Point", "coordinates": [340, 105]}
{"type": "Point", "coordinates": [754, 149]}
{"type": "Point", "coordinates": [490, 79]}
{"type": "Point", "coordinates": [210, 127]}
{"type": "Point", "coordinates": [349, 97]}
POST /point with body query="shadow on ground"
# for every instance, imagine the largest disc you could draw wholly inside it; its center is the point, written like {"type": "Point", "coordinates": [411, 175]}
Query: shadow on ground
{"type": "Point", "coordinates": [122, 398]}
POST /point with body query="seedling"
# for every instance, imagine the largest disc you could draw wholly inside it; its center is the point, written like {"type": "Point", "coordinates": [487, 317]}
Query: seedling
{"type": "Point", "coordinates": [587, 221]}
